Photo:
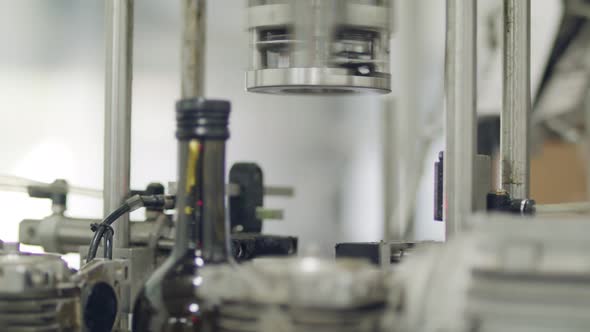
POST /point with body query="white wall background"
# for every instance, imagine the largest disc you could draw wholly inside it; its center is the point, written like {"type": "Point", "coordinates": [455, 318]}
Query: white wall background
{"type": "Point", "coordinates": [330, 149]}
{"type": "Point", "coordinates": [51, 105]}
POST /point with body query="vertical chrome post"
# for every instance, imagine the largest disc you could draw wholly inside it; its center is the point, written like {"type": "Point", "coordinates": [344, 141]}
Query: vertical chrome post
{"type": "Point", "coordinates": [587, 141]}
{"type": "Point", "coordinates": [461, 115]}
{"type": "Point", "coordinates": [516, 98]}
{"type": "Point", "coordinates": [117, 140]}
{"type": "Point", "coordinates": [402, 128]}
{"type": "Point", "coordinates": [193, 48]}
{"type": "Point", "coordinates": [392, 225]}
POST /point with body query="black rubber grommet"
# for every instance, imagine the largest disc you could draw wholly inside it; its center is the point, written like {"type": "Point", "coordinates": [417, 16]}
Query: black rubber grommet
{"type": "Point", "coordinates": [200, 118]}
{"type": "Point", "coordinates": [100, 308]}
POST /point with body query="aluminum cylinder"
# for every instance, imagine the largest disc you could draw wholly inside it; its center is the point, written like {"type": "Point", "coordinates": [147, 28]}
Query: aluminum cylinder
{"type": "Point", "coordinates": [319, 46]}
{"type": "Point", "coordinates": [37, 295]}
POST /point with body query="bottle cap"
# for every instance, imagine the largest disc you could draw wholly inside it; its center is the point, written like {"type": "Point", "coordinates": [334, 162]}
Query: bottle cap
{"type": "Point", "coordinates": [202, 118]}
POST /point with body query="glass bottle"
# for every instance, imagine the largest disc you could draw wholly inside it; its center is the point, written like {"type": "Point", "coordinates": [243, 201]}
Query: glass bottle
{"type": "Point", "coordinates": [169, 301]}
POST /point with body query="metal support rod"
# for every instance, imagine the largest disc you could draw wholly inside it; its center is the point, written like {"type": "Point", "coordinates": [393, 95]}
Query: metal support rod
{"type": "Point", "coordinates": [587, 141]}
{"type": "Point", "coordinates": [516, 108]}
{"type": "Point", "coordinates": [461, 116]}
{"type": "Point", "coordinates": [193, 48]}
{"type": "Point", "coordinates": [391, 225]}
{"type": "Point", "coordinates": [401, 129]}
{"type": "Point", "coordinates": [117, 140]}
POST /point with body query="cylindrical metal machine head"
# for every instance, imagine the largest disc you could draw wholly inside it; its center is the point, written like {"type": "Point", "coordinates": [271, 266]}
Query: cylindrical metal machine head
{"type": "Point", "coordinates": [319, 46]}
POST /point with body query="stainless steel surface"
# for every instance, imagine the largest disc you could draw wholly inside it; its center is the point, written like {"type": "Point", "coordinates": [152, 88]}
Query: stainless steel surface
{"type": "Point", "coordinates": [516, 110]}
{"type": "Point", "coordinates": [193, 48]}
{"type": "Point", "coordinates": [61, 234]}
{"type": "Point", "coordinates": [267, 318]}
{"type": "Point", "coordinates": [37, 294]}
{"type": "Point", "coordinates": [586, 111]}
{"type": "Point", "coordinates": [279, 191]}
{"type": "Point", "coordinates": [56, 233]}
{"type": "Point", "coordinates": [502, 275]}
{"type": "Point", "coordinates": [126, 273]}
{"type": "Point", "coordinates": [314, 81]}
{"type": "Point", "coordinates": [272, 214]}
{"type": "Point", "coordinates": [345, 283]}
{"type": "Point", "coordinates": [406, 125]}
{"type": "Point", "coordinates": [297, 294]}
{"type": "Point", "coordinates": [461, 117]}
{"type": "Point", "coordinates": [114, 274]}
{"type": "Point", "coordinates": [23, 273]}
{"type": "Point", "coordinates": [232, 189]}
{"type": "Point", "coordinates": [166, 244]}
{"type": "Point", "coordinates": [319, 47]}
{"type": "Point", "coordinates": [117, 143]}
{"type": "Point", "coordinates": [393, 225]}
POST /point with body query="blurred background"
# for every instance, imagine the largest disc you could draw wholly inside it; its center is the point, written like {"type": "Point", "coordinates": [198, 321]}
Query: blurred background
{"type": "Point", "coordinates": [52, 100]}
{"type": "Point", "coordinates": [358, 164]}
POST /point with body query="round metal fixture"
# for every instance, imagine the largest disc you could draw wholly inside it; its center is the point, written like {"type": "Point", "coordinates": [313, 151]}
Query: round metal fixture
{"type": "Point", "coordinates": [36, 294]}
{"type": "Point", "coordinates": [319, 46]}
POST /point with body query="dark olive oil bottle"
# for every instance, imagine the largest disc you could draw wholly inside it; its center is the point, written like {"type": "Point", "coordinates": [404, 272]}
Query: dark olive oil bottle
{"type": "Point", "coordinates": [170, 301]}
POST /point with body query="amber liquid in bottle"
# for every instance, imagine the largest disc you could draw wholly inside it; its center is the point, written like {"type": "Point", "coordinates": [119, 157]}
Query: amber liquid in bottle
{"type": "Point", "coordinates": [170, 301]}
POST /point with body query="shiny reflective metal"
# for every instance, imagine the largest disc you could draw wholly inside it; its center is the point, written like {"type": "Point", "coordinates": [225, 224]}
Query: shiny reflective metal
{"type": "Point", "coordinates": [298, 294]}
{"type": "Point", "coordinates": [117, 139]}
{"type": "Point", "coordinates": [516, 105]}
{"type": "Point", "coordinates": [193, 48]}
{"type": "Point", "coordinates": [37, 294]}
{"type": "Point", "coordinates": [266, 214]}
{"type": "Point", "coordinates": [102, 283]}
{"type": "Point", "coordinates": [56, 233]}
{"type": "Point", "coordinates": [61, 234]}
{"type": "Point", "coordinates": [319, 46]}
{"type": "Point", "coordinates": [461, 117]}
{"type": "Point", "coordinates": [501, 275]}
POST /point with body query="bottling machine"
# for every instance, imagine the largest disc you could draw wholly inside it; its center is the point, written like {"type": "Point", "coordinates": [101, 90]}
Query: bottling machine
{"type": "Point", "coordinates": [501, 269]}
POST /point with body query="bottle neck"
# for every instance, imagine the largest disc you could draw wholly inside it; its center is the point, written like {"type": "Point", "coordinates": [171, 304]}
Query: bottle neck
{"type": "Point", "coordinates": [201, 226]}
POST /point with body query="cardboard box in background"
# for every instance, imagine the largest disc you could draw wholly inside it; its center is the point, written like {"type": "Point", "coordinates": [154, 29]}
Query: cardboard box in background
{"type": "Point", "coordinates": [558, 174]}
